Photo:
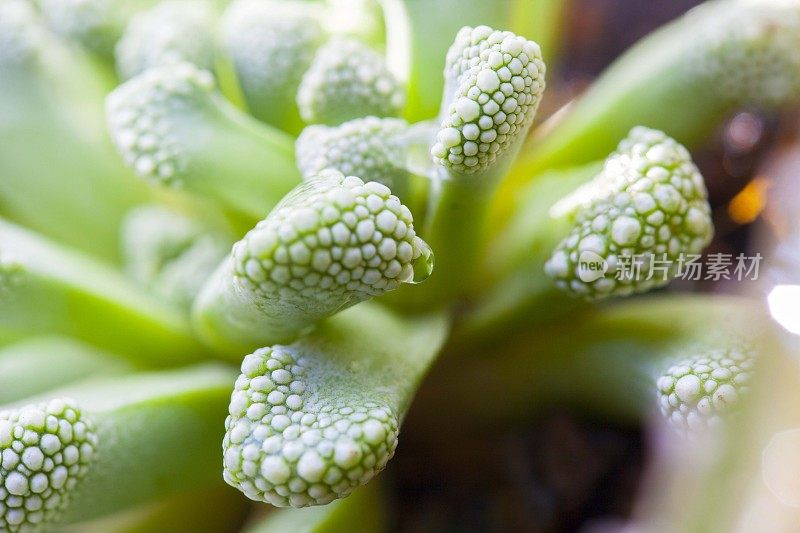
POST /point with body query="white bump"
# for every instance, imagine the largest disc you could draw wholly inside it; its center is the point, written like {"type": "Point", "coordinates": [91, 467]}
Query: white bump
{"type": "Point", "coordinates": [688, 388]}
{"type": "Point", "coordinates": [311, 467]}
{"type": "Point", "coordinates": [467, 109]}
{"type": "Point", "coordinates": [275, 470]}
{"type": "Point", "coordinates": [374, 432]}
{"type": "Point", "coordinates": [625, 231]}
{"type": "Point", "coordinates": [346, 454]}
{"type": "Point", "coordinates": [16, 484]}
{"type": "Point", "coordinates": [450, 137]}
{"type": "Point", "coordinates": [488, 81]}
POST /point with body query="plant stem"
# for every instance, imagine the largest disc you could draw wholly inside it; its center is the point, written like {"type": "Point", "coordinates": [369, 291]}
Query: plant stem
{"type": "Point", "coordinates": [514, 291]}
{"type": "Point", "coordinates": [39, 364]}
{"type": "Point", "coordinates": [494, 81]}
{"type": "Point", "coordinates": [216, 509]}
{"type": "Point", "coordinates": [363, 512]}
{"type": "Point", "coordinates": [50, 289]}
{"type": "Point", "coordinates": [605, 362]}
{"type": "Point", "coordinates": [457, 231]}
{"type": "Point", "coordinates": [59, 173]}
{"type": "Point", "coordinates": [419, 34]}
{"type": "Point", "coordinates": [159, 432]}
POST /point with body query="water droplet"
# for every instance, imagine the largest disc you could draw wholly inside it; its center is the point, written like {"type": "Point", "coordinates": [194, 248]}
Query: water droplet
{"type": "Point", "coordinates": [423, 265]}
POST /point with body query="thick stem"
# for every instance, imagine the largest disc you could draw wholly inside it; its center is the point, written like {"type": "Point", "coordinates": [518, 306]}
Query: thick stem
{"type": "Point", "coordinates": [50, 289]}
{"type": "Point", "coordinates": [514, 290]}
{"type": "Point", "coordinates": [458, 228]}
{"type": "Point", "coordinates": [457, 232]}
{"type": "Point", "coordinates": [218, 508]}
{"type": "Point", "coordinates": [39, 364]}
{"type": "Point", "coordinates": [494, 81]}
{"type": "Point", "coordinates": [156, 431]}
{"type": "Point", "coordinates": [159, 432]}
{"type": "Point", "coordinates": [363, 512]}
{"type": "Point", "coordinates": [59, 173]}
{"type": "Point", "coordinates": [419, 34]}
{"type": "Point", "coordinates": [258, 167]}
{"type": "Point", "coordinates": [231, 322]}
{"type": "Point", "coordinates": [605, 362]}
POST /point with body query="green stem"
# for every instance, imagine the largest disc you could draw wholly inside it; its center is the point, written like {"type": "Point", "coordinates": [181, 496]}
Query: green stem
{"type": "Point", "coordinates": [59, 173]}
{"type": "Point", "coordinates": [229, 321]}
{"type": "Point", "coordinates": [605, 362]}
{"type": "Point", "coordinates": [39, 364]}
{"type": "Point", "coordinates": [258, 169]}
{"type": "Point", "coordinates": [456, 230]}
{"type": "Point", "coordinates": [494, 81]}
{"type": "Point", "coordinates": [50, 289]}
{"type": "Point", "coordinates": [419, 34]}
{"type": "Point", "coordinates": [217, 509]}
{"type": "Point", "coordinates": [363, 512]}
{"type": "Point", "coordinates": [159, 432]}
{"type": "Point", "coordinates": [514, 290]}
